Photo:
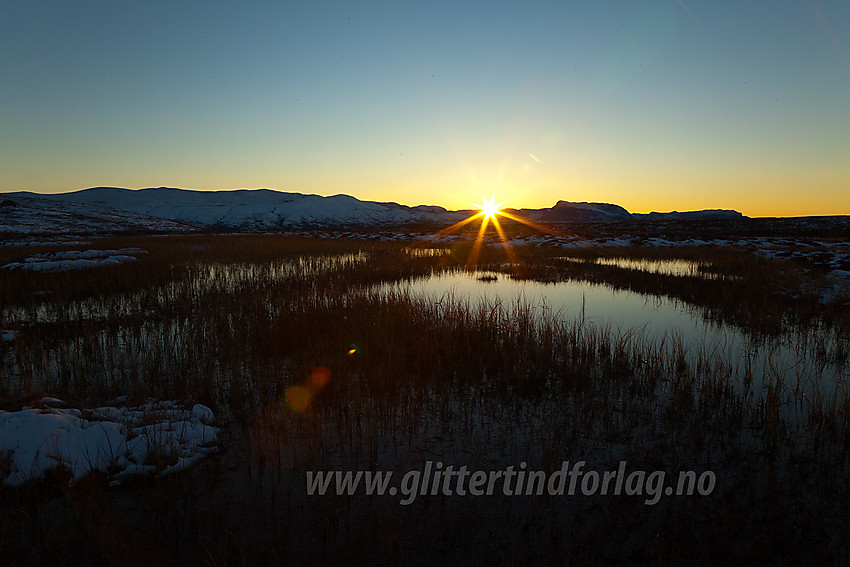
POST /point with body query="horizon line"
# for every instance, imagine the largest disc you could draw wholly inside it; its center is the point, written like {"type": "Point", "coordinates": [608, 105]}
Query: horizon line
{"type": "Point", "coordinates": [471, 208]}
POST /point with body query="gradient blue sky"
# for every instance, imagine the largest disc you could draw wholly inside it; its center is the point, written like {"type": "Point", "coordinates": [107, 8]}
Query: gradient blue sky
{"type": "Point", "coordinates": [653, 105]}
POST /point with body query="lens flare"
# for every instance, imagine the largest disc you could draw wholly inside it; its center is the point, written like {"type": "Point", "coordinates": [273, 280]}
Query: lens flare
{"type": "Point", "coordinates": [300, 397]}
{"type": "Point", "coordinates": [320, 376]}
{"type": "Point", "coordinates": [489, 208]}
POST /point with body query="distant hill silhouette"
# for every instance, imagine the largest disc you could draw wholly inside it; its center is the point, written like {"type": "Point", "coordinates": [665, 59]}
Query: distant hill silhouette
{"type": "Point", "coordinates": [266, 209]}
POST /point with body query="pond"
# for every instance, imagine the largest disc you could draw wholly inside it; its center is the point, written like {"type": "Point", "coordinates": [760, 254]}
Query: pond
{"type": "Point", "coordinates": [807, 360]}
{"type": "Point", "coordinates": [804, 357]}
{"type": "Point", "coordinates": [433, 385]}
{"type": "Point", "coordinates": [673, 267]}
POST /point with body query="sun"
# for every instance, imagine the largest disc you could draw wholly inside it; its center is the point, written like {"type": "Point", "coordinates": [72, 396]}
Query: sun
{"type": "Point", "coordinates": [489, 212]}
{"type": "Point", "coordinates": [489, 208]}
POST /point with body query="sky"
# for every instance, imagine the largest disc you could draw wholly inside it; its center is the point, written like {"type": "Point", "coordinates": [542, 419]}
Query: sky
{"type": "Point", "coordinates": [654, 105]}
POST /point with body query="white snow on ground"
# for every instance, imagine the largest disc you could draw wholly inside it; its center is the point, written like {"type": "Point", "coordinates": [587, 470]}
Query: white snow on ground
{"type": "Point", "coordinates": [72, 260]}
{"type": "Point", "coordinates": [160, 437]}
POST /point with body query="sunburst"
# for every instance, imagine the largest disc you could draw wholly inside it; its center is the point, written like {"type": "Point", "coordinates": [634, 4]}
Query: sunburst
{"type": "Point", "coordinates": [490, 208]}
{"type": "Point", "coordinates": [490, 211]}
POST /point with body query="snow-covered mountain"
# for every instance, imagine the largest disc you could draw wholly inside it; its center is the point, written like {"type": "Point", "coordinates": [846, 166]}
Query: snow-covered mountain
{"type": "Point", "coordinates": [168, 209]}
{"type": "Point", "coordinates": [254, 209]}
{"type": "Point", "coordinates": [31, 213]}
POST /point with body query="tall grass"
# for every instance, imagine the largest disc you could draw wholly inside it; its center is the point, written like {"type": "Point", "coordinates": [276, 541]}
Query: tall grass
{"type": "Point", "coordinates": [235, 322]}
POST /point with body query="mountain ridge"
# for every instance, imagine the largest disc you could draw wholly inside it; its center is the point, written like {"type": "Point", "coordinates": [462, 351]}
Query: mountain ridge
{"type": "Point", "coordinates": [269, 209]}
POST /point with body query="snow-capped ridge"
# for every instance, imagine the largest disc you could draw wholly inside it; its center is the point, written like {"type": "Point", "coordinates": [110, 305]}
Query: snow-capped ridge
{"type": "Point", "coordinates": [268, 209]}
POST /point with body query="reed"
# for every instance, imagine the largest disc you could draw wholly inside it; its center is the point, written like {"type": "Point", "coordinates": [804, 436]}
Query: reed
{"type": "Point", "coordinates": [238, 322]}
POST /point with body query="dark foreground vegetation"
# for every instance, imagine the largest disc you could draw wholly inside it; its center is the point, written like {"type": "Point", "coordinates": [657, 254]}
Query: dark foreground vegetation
{"type": "Point", "coordinates": [239, 323]}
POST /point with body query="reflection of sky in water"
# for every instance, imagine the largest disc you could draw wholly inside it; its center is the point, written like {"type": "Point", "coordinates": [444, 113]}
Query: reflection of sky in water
{"type": "Point", "coordinates": [675, 267]}
{"type": "Point", "coordinates": [656, 318]}
{"type": "Point", "coordinates": [670, 267]}
{"type": "Point", "coordinates": [603, 306]}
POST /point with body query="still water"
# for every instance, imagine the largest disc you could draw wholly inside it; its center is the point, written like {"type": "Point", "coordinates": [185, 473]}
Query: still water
{"type": "Point", "coordinates": [792, 356]}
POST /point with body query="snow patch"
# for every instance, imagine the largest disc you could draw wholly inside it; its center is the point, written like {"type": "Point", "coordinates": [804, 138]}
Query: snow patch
{"type": "Point", "coordinates": [75, 260]}
{"type": "Point", "coordinates": [159, 437]}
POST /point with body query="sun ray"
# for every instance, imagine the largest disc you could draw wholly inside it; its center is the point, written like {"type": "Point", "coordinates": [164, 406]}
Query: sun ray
{"type": "Point", "coordinates": [509, 251]}
{"type": "Point", "coordinates": [490, 211]}
{"type": "Point", "coordinates": [458, 225]}
{"type": "Point", "coordinates": [472, 261]}
{"type": "Point", "coordinates": [530, 223]}
{"type": "Point", "coordinates": [489, 207]}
